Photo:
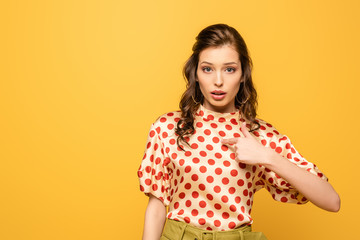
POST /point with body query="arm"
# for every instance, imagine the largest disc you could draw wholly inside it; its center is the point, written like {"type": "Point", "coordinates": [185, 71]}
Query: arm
{"type": "Point", "coordinates": [320, 192]}
{"type": "Point", "coordinates": [317, 190]}
{"type": "Point", "coordinates": [155, 215]}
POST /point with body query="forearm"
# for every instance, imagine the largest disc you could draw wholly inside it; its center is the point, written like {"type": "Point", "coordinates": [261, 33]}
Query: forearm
{"type": "Point", "coordinates": [155, 217]}
{"type": "Point", "coordinates": [315, 189]}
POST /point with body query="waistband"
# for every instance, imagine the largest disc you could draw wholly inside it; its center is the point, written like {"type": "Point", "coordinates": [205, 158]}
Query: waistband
{"type": "Point", "coordinates": [178, 230]}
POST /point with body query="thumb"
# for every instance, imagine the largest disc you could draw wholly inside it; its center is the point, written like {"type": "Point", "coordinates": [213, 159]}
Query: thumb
{"type": "Point", "coordinates": [244, 130]}
{"type": "Point", "coordinates": [229, 140]}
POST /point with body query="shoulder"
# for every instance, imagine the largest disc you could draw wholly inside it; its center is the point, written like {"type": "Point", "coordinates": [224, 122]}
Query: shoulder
{"type": "Point", "coordinates": [266, 129]}
{"type": "Point", "coordinates": [166, 122]}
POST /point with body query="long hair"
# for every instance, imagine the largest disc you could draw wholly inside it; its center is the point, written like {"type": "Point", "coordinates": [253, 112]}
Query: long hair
{"type": "Point", "coordinates": [246, 99]}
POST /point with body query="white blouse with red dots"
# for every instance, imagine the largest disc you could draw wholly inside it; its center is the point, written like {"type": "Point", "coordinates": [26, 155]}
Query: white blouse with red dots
{"type": "Point", "coordinates": [204, 185]}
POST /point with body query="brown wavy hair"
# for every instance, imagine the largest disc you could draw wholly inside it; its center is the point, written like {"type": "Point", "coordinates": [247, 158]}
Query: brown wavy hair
{"type": "Point", "coordinates": [246, 99]}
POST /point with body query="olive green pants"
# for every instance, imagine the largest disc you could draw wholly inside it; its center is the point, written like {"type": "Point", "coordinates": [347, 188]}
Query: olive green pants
{"type": "Point", "coordinates": [175, 230]}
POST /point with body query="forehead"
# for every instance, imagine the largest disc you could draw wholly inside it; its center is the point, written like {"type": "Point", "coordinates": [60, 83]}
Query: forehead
{"type": "Point", "coordinates": [220, 54]}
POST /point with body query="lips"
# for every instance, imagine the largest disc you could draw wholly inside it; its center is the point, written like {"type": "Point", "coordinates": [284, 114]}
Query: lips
{"type": "Point", "coordinates": [218, 92]}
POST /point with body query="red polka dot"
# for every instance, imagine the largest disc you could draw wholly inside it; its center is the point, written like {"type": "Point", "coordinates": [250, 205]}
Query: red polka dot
{"type": "Point", "coordinates": [231, 225]}
{"type": "Point", "coordinates": [176, 205]}
{"type": "Point", "coordinates": [224, 148]}
{"type": "Point", "coordinates": [218, 155]}
{"type": "Point", "coordinates": [225, 180]}
{"type": "Point", "coordinates": [203, 153]}
{"type": "Point", "coordinates": [182, 195]}
{"type": "Point", "coordinates": [232, 155]}
{"type": "Point", "coordinates": [187, 169]}
{"type": "Point", "coordinates": [163, 119]}
{"type": "Point", "coordinates": [217, 189]}
{"type": "Point", "coordinates": [236, 135]}
{"type": "Point", "coordinates": [202, 187]}
{"type": "Point", "coordinates": [209, 179]}
{"type": "Point", "coordinates": [165, 134]}
{"type": "Point", "coordinates": [187, 186]}
{"type": "Point", "coordinates": [213, 125]}
{"type": "Point", "coordinates": [194, 146]}
{"type": "Point", "coordinates": [203, 169]}
{"type": "Point", "coordinates": [199, 124]}
{"type": "Point", "coordinates": [240, 182]}
{"type": "Point", "coordinates": [188, 203]}
{"type": "Point", "coordinates": [263, 142]}
{"type": "Point", "coordinates": [234, 121]}
{"type": "Point", "coordinates": [269, 135]}
{"type": "Point", "coordinates": [246, 192]}
{"type": "Point", "coordinates": [152, 133]}
{"type": "Point", "coordinates": [262, 127]}
{"type": "Point", "coordinates": [225, 199]}
{"type": "Point", "coordinates": [278, 149]}
{"type": "Point", "coordinates": [194, 212]}
{"type": "Point", "coordinates": [234, 172]}
{"type": "Point", "coordinates": [243, 209]}
{"type": "Point", "coordinates": [210, 213]}
{"type": "Point", "coordinates": [202, 221]}
{"type": "Point", "coordinates": [222, 119]}
{"type": "Point", "coordinates": [222, 133]}
{"type": "Point", "coordinates": [201, 138]}
{"type": "Point", "coordinates": [217, 206]}
{"type": "Point", "coordinates": [195, 194]}
{"type": "Point", "coordinates": [216, 139]}
{"type": "Point", "coordinates": [240, 217]}
{"type": "Point", "coordinates": [196, 160]}
{"type": "Point", "coordinates": [238, 199]}
{"type": "Point", "coordinates": [211, 161]}
{"type": "Point", "coordinates": [273, 145]}
{"type": "Point", "coordinates": [209, 147]}
{"type": "Point", "coordinates": [181, 162]}
{"type": "Point", "coordinates": [170, 126]}
{"type": "Point", "coordinates": [284, 199]}
{"type": "Point", "coordinates": [232, 190]}
{"type": "Point", "coordinates": [218, 171]}
{"type": "Point", "coordinates": [202, 204]}
{"type": "Point", "coordinates": [209, 196]}
{"type": "Point", "coordinates": [247, 175]}
{"type": "Point", "coordinates": [147, 181]}
{"type": "Point", "coordinates": [217, 223]}
{"type": "Point", "coordinates": [207, 132]}
{"type": "Point", "coordinates": [242, 165]}
{"type": "Point", "coordinates": [232, 208]}
{"type": "Point", "coordinates": [225, 215]}
{"type": "Point", "coordinates": [172, 141]}
{"type": "Point", "coordinates": [226, 163]}
{"type": "Point", "coordinates": [154, 187]}
{"type": "Point", "coordinates": [194, 177]}
{"type": "Point", "coordinates": [210, 117]}
{"type": "Point", "coordinates": [228, 127]}
{"type": "Point", "coordinates": [187, 220]}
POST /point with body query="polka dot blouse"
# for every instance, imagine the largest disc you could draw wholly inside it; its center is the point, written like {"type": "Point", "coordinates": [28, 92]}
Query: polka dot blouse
{"type": "Point", "coordinates": [204, 185]}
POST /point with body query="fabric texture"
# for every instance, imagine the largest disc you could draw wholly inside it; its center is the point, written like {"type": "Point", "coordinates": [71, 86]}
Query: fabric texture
{"type": "Point", "coordinates": [176, 230]}
{"type": "Point", "coordinates": [204, 186]}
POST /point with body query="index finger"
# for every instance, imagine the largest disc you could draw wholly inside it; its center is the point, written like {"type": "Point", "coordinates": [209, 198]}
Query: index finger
{"type": "Point", "coordinates": [229, 140]}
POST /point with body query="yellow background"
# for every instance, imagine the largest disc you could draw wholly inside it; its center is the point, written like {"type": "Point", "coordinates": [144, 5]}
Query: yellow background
{"type": "Point", "coordinates": [81, 82]}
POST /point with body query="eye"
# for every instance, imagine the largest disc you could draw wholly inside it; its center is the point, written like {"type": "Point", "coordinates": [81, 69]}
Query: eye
{"type": "Point", "coordinates": [230, 69]}
{"type": "Point", "coordinates": [206, 69]}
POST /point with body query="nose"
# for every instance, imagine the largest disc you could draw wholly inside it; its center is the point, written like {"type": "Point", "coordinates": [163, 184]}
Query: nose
{"type": "Point", "coordinates": [219, 80]}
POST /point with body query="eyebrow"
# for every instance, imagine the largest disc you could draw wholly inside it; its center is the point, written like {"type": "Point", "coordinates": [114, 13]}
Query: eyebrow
{"type": "Point", "coordinates": [228, 63]}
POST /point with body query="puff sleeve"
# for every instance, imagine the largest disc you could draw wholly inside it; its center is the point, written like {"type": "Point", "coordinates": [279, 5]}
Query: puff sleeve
{"type": "Point", "coordinates": [153, 174]}
{"type": "Point", "coordinates": [278, 187]}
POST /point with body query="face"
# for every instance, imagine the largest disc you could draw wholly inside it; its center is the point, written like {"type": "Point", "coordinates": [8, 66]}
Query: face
{"type": "Point", "coordinates": [219, 76]}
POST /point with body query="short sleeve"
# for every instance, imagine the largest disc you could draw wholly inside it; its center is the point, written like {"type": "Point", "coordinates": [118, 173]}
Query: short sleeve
{"type": "Point", "coordinates": [278, 187]}
{"type": "Point", "coordinates": [153, 174]}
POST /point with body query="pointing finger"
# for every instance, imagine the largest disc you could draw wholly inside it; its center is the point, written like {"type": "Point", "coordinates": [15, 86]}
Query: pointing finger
{"type": "Point", "coordinates": [229, 141]}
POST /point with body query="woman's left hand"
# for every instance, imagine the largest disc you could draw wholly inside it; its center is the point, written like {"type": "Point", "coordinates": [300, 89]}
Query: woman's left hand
{"type": "Point", "coordinates": [247, 149]}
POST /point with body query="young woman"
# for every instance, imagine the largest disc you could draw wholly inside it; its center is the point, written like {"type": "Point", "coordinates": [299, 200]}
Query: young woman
{"type": "Point", "coordinates": [206, 161]}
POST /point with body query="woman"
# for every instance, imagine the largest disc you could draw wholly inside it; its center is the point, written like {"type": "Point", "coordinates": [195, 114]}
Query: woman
{"type": "Point", "coordinates": [206, 161]}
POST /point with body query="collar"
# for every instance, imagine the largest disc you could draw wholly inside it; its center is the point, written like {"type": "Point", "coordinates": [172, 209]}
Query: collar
{"type": "Point", "coordinates": [209, 115]}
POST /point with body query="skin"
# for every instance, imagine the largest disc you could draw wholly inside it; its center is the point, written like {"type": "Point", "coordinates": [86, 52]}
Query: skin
{"type": "Point", "coordinates": [219, 68]}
